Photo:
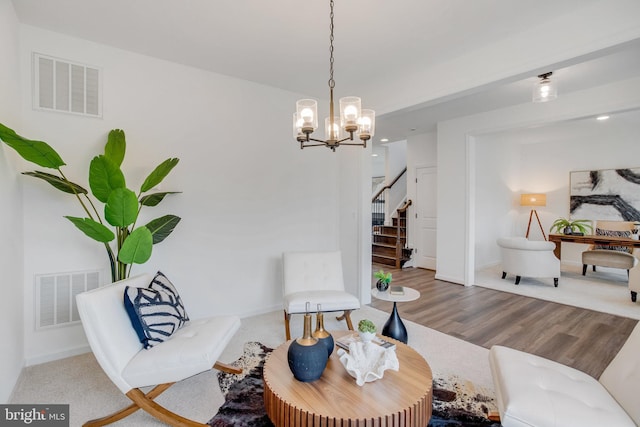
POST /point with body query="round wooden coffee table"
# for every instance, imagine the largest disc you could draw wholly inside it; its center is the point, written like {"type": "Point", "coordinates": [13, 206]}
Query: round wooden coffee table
{"type": "Point", "coordinates": [400, 398]}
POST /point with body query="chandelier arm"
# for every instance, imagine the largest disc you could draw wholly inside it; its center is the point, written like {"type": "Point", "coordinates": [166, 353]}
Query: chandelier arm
{"type": "Point", "coordinates": [359, 144]}
{"type": "Point", "coordinates": [303, 145]}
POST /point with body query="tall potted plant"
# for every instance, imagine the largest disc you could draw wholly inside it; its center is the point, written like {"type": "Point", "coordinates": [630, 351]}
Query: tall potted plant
{"type": "Point", "coordinates": [132, 244]}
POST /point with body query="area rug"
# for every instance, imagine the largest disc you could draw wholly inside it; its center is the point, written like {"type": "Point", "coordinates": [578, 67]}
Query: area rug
{"type": "Point", "coordinates": [456, 402]}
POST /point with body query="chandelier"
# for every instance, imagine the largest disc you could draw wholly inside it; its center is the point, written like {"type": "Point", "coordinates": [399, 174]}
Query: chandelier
{"type": "Point", "coordinates": [353, 120]}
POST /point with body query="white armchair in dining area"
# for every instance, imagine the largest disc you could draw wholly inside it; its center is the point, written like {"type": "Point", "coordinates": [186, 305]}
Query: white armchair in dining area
{"type": "Point", "coordinates": [528, 258]}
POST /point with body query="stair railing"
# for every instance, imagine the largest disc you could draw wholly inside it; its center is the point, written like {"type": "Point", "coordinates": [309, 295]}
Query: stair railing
{"type": "Point", "coordinates": [401, 223]}
{"type": "Point", "coordinates": [378, 202]}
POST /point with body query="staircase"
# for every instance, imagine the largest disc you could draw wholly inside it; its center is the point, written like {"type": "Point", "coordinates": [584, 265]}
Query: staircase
{"type": "Point", "coordinates": [389, 242]}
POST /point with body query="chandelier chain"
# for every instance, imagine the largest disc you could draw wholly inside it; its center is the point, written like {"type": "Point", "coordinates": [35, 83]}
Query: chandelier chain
{"type": "Point", "coordinates": [332, 82]}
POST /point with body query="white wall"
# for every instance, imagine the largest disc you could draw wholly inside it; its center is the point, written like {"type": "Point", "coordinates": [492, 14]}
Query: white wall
{"type": "Point", "coordinates": [249, 192]}
{"type": "Point", "coordinates": [11, 250]}
{"type": "Point", "coordinates": [540, 160]}
{"type": "Point", "coordinates": [457, 161]}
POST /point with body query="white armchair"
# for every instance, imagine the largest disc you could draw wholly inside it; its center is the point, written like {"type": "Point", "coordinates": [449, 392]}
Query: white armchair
{"type": "Point", "coordinates": [533, 391]}
{"type": "Point", "coordinates": [315, 277]}
{"type": "Point", "coordinates": [529, 258]}
{"type": "Point", "coordinates": [193, 349]}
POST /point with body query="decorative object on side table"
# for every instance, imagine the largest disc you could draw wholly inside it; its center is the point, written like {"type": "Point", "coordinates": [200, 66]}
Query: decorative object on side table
{"type": "Point", "coordinates": [567, 226]}
{"type": "Point", "coordinates": [307, 356]}
{"type": "Point", "coordinates": [321, 334]}
{"type": "Point", "coordinates": [367, 330]}
{"type": "Point", "coordinates": [384, 280]}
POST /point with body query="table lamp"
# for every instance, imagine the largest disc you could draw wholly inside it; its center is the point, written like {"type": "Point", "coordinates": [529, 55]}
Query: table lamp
{"type": "Point", "coordinates": [534, 200]}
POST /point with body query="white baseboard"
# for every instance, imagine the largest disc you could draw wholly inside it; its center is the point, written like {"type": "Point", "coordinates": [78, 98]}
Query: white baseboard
{"type": "Point", "coordinates": [455, 280]}
{"type": "Point", "coordinates": [49, 357]}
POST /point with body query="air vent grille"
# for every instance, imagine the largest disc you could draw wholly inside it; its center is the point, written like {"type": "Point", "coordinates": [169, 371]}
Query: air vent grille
{"type": "Point", "coordinates": [66, 86]}
{"type": "Point", "coordinates": [56, 296]}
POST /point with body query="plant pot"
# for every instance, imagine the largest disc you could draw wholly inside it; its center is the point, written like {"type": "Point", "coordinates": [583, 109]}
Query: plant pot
{"type": "Point", "coordinates": [366, 336]}
{"type": "Point", "coordinates": [382, 286]}
{"type": "Point", "coordinates": [567, 230]}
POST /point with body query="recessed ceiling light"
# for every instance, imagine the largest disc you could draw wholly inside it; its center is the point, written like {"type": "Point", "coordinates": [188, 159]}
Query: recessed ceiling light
{"type": "Point", "coordinates": [603, 117]}
{"type": "Point", "coordinates": [384, 140]}
{"type": "Point", "coordinates": [374, 155]}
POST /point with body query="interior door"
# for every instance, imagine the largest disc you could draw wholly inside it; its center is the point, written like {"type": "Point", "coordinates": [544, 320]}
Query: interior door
{"type": "Point", "coordinates": [426, 220]}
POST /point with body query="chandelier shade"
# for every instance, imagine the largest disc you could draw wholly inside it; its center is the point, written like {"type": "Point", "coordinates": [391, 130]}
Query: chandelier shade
{"type": "Point", "coordinates": [352, 121]}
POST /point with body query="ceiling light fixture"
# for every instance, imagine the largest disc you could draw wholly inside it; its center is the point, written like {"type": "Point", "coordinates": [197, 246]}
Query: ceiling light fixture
{"type": "Point", "coordinates": [353, 119]}
{"type": "Point", "coordinates": [545, 90]}
{"type": "Point", "coordinates": [602, 118]}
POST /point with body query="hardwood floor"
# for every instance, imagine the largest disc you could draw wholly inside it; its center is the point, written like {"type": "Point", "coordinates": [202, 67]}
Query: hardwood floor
{"type": "Point", "coordinates": [584, 339]}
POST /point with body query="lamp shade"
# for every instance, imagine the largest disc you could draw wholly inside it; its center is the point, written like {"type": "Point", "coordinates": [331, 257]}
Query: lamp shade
{"type": "Point", "coordinates": [533, 199]}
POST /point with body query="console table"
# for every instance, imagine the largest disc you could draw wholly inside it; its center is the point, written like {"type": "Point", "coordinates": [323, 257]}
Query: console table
{"type": "Point", "coordinates": [590, 239]}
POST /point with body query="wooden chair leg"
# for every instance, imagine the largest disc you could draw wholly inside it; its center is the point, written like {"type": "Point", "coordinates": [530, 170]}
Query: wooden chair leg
{"type": "Point", "coordinates": [123, 413]}
{"type": "Point", "coordinates": [160, 412]}
{"type": "Point", "coordinates": [287, 330]}
{"type": "Point", "coordinates": [346, 316]}
{"type": "Point", "coordinates": [153, 408]}
{"type": "Point", "coordinates": [224, 367]}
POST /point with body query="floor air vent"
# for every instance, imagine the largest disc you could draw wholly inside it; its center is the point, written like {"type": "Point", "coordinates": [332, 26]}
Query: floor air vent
{"type": "Point", "coordinates": [56, 296]}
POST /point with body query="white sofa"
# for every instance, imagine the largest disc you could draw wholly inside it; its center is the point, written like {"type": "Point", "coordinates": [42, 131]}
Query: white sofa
{"type": "Point", "coordinates": [528, 258]}
{"type": "Point", "coordinates": [533, 391]}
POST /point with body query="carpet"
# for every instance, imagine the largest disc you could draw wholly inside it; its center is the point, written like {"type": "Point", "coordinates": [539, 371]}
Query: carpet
{"type": "Point", "coordinates": [456, 402]}
{"type": "Point", "coordinates": [606, 290]}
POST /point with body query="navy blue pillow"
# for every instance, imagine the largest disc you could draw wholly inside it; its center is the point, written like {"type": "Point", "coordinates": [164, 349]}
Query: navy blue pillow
{"type": "Point", "coordinates": [156, 312]}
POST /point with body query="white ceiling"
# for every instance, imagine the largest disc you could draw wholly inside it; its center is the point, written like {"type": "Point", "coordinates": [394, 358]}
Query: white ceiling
{"type": "Point", "coordinates": [284, 43]}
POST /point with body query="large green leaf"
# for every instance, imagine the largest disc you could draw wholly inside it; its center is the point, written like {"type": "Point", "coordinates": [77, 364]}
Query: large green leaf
{"type": "Point", "coordinates": [121, 209]}
{"type": "Point", "coordinates": [161, 227]}
{"type": "Point", "coordinates": [116, 147]}
{"type": "Point", "coordinates": [37, 152]}
{"type": "Point", "coordinates": [158, 174]}
{"type": "Point", "coordinates": [104, 177]}
{"type": "Point", "coordinates": [59, 183]}
{"type": "Point", "coordinates": [155, 198]}
{"type": "Point", "coordinates": [93, 229]}
{"type": "Point", "coordinates": [137, 247]}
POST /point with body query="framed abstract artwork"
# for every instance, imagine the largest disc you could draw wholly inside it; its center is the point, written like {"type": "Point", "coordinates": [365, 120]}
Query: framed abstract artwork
{"type": "Point", "coordinates": [607, 194]}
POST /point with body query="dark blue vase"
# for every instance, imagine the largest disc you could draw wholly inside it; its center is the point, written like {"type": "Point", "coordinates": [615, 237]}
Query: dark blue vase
{"type": "Point", "coordinates": [307, 356]}
{"type": "Point", "coordinates": [321, 334]}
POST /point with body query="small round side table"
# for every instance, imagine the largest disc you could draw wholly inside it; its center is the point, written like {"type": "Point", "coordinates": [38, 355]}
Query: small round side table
{"type": "Point", "coordinates": [394, 327]}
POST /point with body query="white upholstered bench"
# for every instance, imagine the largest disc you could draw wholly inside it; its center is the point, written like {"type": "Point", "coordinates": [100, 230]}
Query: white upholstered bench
{"type": "Point", "coordinates": [533, 391]}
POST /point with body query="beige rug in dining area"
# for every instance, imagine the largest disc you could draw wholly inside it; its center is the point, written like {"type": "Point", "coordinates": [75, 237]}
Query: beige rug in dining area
{"type": "Point", "coordinates": [605, 290]}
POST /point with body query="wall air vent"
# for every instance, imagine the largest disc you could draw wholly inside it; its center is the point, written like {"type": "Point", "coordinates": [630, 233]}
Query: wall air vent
{"type": "Point", "coordinates": [56, 296]}
{"type": "Point", "coordinates": [65, 86]}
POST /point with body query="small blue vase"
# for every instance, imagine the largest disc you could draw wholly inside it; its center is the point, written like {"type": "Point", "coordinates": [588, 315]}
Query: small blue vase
{"type": "Point", "coordinates": [322, 334]}
{"type": "Point", "coordinates": [307, 356]}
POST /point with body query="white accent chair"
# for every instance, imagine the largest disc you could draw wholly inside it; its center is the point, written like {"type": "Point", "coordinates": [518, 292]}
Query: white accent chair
{"type": "Point", "coordinates": [193, 349]}
{"type": "Point", "coordinates": [528, 258]}
{"type": "Point", "coordinates": [533, 391]}
{"type": "Point", "coordinates": [315, 277]}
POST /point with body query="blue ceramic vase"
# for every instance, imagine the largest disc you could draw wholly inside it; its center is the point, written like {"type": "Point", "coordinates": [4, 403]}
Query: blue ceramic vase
{"type": "Point", "coordinates": [321, 333]}
{"type": "Point", "coordinates": [307, 356]}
